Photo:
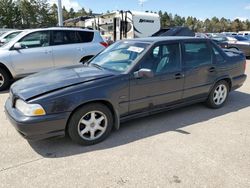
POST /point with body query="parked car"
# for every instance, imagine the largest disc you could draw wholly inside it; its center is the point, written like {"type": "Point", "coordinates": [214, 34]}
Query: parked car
{"type": "Point", "coordinates": [201, 35]}
{"type": "Point", "coordinates": [245, 34]}
{"type": "Point", "coordinates": [6, 37]}
{"type": "Point", "coordinates": [36, 50]}
{"type": "Point", "coordinates": [234, 42]}
{"type": "Point", "coordinates": [131, 78]}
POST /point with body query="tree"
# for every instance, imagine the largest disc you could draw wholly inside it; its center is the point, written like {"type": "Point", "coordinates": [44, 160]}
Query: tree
{"type": "Point", "coordinates": [9, 14]}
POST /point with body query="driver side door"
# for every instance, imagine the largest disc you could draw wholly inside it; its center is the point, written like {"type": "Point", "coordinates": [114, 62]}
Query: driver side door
{"type": "Point", "coordinates": [36, 54]}
{"type": "Point", "coordinates": [165, 87]}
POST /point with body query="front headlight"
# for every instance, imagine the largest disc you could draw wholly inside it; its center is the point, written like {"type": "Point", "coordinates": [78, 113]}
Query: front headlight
{"type": "Point", "coordinates": [29, 109]}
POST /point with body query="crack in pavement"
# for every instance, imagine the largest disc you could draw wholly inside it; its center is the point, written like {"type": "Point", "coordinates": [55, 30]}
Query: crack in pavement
{"type": "Point", "coordinates": [21, 164]}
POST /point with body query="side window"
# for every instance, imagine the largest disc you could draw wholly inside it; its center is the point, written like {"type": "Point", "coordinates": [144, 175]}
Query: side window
{"type": "Point", "coordinates": [85, 36]}
{"type": "Point", "coordinates": [218, 57]}
{"type": "Point", "coordinates": [71, 37]}
{"type": "Point", "coordinates": [197, 53]}
{"type": "Point", "coordinates": [36, 39]}
{"type": "Point", "coordinates": [170, 58]}
{"type": "Point", "coordinates": [58, 37]}
{"type": "Point", "coordinates": [163, 58]}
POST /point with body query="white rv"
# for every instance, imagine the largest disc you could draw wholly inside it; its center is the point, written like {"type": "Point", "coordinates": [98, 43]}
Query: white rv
{"type": "Point", "coordinates": [125, 24]}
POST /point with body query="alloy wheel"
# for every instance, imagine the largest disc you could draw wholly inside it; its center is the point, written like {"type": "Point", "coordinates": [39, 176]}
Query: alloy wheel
{"type": "Point", "coordinates": [220, 94]}
{"type": "Point", "coordinates": [1, 80]}
{"type": "Point", "coordinates": [92, 125]}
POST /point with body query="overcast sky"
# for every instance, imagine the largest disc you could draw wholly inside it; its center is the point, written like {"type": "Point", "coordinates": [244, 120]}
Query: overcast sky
{"type": "Point", "coordinates": [201, 9]}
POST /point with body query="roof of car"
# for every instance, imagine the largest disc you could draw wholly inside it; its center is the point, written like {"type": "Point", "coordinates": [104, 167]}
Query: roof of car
{"type": "Point", "coordinates": [60, 28]}
{"type": "Point", "coordinates": [168, 38]}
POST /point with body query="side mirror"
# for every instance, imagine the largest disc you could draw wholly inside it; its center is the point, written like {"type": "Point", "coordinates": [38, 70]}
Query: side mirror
{"type": "Point", "coordinates": [144, 73]}
{"type": "Point", "coordinates": [17, 46]}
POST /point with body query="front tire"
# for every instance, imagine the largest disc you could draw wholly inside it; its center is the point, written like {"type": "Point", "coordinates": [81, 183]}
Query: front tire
{"type": "Point", "coordinates": [4, 79]}
{"type": "Point", "coordinates": [90, 124]}
{"type": "Point", "coordinates": [218, 95]}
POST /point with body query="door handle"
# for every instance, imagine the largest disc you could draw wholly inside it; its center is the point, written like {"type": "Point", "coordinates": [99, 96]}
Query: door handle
{"type": "Point", "coordinates": [212, 69]}
{"type": "Point", "coordinates": [179, 76]}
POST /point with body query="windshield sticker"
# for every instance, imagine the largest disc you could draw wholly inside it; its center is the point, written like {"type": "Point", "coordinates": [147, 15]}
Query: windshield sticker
{"type": "Point", "coordinates": [135, 49]}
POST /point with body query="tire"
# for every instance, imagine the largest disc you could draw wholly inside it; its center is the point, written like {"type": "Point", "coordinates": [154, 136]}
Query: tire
{"type": "Point", "coordinates": [92, 120]}
{"type": "Point", "coordinates": [216, 98]}
{"type": "Point", "coordinates": [4, 79]}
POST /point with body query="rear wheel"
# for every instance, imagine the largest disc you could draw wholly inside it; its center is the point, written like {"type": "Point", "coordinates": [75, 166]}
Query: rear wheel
{"type": "Point", "coordinates": [218, 95]}
{"type": "Point", "coordinates": [90, 124]}
{"type": "Point", "coordinates": [4, 79]}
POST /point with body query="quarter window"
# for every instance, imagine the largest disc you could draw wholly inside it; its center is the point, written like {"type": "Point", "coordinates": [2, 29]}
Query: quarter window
{"type": "Point", "coordinates": [197, 53]}
{"type": "Point", "coordinates": [36, 39]}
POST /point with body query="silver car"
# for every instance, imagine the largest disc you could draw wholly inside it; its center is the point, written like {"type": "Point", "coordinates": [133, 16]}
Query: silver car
{"type": "Point", "coordinates": [6, 37]}
{"type": "Point", "coordinates": [39, 49]}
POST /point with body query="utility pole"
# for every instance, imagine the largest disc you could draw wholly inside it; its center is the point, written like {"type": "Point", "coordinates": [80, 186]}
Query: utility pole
{"type": "Point", "coordinates": [141, 3]}
{"type": "Point", "coordinates": [60, 16]}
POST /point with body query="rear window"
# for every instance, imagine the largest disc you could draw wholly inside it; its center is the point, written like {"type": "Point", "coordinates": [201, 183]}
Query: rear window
{"type": "Point", "coordinates": [85, 36]}
{"type": "Point", "coordinates": [197, 53]}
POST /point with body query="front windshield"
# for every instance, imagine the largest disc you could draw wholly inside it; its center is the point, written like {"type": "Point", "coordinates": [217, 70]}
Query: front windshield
{"type": "Point", "coordinates": [120, 56]}
{"type": "Point", "coordinates": [11, 36]}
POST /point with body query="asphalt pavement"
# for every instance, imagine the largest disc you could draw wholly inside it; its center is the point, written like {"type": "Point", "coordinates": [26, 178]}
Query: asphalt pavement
{"type": "Point", "coordinates": [189, 147]}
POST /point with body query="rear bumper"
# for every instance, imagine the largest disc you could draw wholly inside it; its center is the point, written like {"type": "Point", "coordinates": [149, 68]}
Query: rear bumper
{"type": "Point", "coordinates": [238, 81]}
{"type": "Point", "coordinates": [37, 128]}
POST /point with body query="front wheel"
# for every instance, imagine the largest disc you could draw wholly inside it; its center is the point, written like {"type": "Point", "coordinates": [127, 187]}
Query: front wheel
{"type": "Point", "coordinates": [90, 124]}
{"type": "Point", "coordinates": [218, 95]}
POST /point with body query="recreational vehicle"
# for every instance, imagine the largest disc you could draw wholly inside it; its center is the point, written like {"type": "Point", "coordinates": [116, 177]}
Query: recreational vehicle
{"type": "Point", "coordinates": [125, 24]}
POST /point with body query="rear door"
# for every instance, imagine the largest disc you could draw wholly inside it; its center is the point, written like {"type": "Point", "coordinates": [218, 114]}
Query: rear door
{"type": "Point", "coordinates": [67, 47]}
{"type": "Point", "coordinates": [36, 54]}
{"type": "Point", "coordinates": [200, 70]}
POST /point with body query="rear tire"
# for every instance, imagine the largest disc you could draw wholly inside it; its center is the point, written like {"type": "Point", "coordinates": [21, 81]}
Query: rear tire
{"type": "Point", "coordinates": [5, 79]}
{"type": "Point", "coordinates": [90, 124]}
{"type": "Point", "coordinates": [218, 95]}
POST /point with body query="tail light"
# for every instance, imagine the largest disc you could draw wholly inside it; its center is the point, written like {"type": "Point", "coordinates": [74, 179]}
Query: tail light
{"type": "Point", "coordinates": [105, 44]}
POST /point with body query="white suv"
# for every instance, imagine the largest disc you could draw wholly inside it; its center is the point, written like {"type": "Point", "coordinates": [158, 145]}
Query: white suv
{"type": "Point", "coordinates": [39, 49]}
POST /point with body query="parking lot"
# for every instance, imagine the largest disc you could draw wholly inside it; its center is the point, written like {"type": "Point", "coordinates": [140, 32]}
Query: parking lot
{"type": "Point", "coordinates": [189, 147]}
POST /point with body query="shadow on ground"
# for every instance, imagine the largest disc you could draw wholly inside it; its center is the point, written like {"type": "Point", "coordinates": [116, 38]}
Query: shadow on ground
{"type": "Point", "coordinates": [145, 127]}
{"type": "Point", "coordinates": [4, 92]}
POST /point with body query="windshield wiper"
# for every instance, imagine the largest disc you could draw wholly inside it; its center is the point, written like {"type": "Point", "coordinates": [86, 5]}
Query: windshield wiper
{"type": "Point", "coordinates": [96, 65]}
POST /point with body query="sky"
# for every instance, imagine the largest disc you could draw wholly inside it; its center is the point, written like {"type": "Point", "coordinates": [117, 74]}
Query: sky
{"type": "Point", "coordinates": [231, 9]}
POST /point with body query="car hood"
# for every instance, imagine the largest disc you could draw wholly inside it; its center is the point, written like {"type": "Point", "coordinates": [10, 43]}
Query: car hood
{"type": "Point", "coordinates": [55, 79]}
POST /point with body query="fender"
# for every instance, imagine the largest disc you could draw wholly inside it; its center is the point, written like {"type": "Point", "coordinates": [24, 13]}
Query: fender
{"type": "Point", "coordinates": [224, 77]}
{"type": "Point", "coordinates": [9, 69]}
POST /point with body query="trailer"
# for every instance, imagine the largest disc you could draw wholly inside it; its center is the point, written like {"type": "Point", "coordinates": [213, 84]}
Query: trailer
{"type": "Point", "coordinates": [120, 25]}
